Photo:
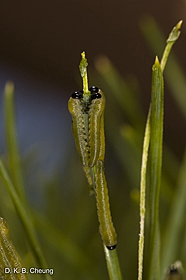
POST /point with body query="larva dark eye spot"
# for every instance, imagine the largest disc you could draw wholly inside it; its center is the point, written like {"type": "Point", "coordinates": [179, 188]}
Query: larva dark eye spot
{"type": "Point", "coordinates": [173, 269]}
{"type": "Point", "coordinates": [77, 95]}
{"type": "Point", "coordinates": [95, 96]}
{"type": "Point", "coordinates": [93, 89]}
{"type": "Point", "coordinates": [111, 247]}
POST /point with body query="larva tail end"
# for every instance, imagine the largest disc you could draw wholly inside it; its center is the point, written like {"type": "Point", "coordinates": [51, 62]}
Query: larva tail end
{"type": "Point", "coordinates": [111, 247]}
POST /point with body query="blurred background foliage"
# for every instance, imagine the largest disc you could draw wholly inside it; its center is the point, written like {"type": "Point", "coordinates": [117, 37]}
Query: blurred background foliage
{"type": "Point", "coordinates": [40, 46]}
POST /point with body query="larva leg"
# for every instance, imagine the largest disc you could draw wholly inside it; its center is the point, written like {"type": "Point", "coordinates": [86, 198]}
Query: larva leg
{"type": "Point", "coordinates": [107, 230]}
{"type": "Point", "coordinates": [88, 174]}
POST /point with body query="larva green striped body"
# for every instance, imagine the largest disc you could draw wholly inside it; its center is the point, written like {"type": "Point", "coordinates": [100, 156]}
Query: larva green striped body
{"type": "Point", "coordinates": [96, 130]}
{"type": "Point", "coordinates": [91, 143]}
{"type": "Point", "coordinates": [78, 129]}
{"type": "Point", "coordinates": [106, 228]}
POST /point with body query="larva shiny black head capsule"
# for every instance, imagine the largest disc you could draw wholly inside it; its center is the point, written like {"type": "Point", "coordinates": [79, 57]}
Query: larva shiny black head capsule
{"type": "Point", "coordinates": [174, 271]}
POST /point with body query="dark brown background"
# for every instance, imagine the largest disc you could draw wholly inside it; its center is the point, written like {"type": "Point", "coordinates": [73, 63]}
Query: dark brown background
{"type": "Point", "coordinates": [47, 37]}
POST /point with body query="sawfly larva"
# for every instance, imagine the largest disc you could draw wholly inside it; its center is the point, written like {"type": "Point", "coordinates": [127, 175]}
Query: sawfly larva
{"type": "Point", "coordinates": [89, 137]}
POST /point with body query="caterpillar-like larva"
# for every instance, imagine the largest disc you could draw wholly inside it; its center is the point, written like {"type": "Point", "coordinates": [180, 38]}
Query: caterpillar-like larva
{"type": "Point", "coordinates": [89, 137]}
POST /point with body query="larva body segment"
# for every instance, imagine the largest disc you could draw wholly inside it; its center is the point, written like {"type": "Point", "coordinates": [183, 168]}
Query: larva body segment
{"type": "Point", "coordinates": [106, 228]}
{"type": "Point", "coordinates": [96, 129]}
{"type": "Point", "coordinates": [102, 140]}
{"type": "Point", "coordinates": [78, 129]}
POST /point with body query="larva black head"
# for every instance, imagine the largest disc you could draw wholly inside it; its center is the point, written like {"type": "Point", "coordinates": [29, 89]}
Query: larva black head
{"type": "Point", "coordinates": [77, 95]}
{"type": "Point", "coordinates": [93, 89]}
{"type": "Point", "coordinates": [111, 247]}
{"type": "Point", "coordinates": [95, 95]}
{"type": "Point", "coordinates": [173, 270]}
{"type": "Point", "coordinates": [94, 92]}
